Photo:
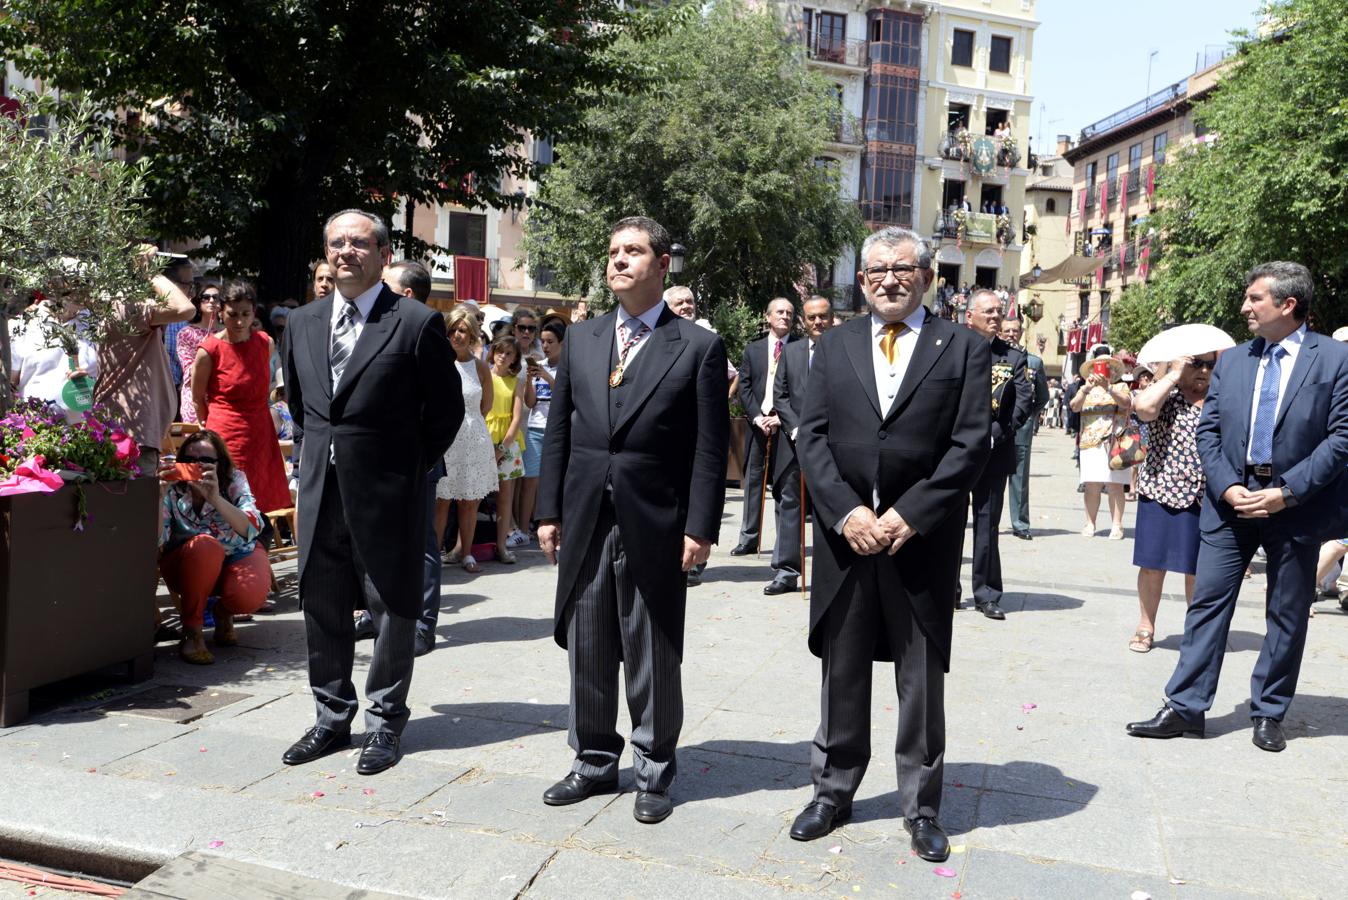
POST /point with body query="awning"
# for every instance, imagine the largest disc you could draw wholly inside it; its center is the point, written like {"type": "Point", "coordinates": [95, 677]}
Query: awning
{"type": "Point", "coordinates": [1070, 269]}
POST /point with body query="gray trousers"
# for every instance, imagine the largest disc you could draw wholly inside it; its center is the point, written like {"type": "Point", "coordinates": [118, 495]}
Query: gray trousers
{"type": "Point", "coordinates": [1018, 485]}
{"type": "Point", "coordinates": [607, 622]}
{"type": "Point", "coordinates": [335, 583]}
{"type": "Point", "coordinates": [842, 746]}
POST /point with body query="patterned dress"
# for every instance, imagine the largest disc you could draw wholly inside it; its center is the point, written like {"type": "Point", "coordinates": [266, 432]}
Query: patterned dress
{"type": "Point", "coordinates": [1172, 473]}
{"type": "Point", "coordinates": [470, 462]}
{"type": "Point", "coordinates": [189, 340]}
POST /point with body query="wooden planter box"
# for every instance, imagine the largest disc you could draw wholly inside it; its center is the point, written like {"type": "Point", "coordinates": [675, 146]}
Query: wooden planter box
{"type": "Point", "coordinates": [75, 601]}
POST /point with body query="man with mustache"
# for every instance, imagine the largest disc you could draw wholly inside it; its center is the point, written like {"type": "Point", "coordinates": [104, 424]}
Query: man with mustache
{"type": "Point", "coordinates": [894, 432]}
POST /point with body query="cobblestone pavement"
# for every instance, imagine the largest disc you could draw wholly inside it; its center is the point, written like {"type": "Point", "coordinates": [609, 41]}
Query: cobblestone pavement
{"type": "Point", "coordinates": [1053, 801]}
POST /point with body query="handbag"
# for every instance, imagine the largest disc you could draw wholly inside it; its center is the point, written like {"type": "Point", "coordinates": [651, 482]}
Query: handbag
{"type": "Point", "coordinates": [1126, 448]}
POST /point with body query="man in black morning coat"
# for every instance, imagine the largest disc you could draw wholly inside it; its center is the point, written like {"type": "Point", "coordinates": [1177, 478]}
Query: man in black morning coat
{"type": "Point", "coordinates": [629, 500]}
{"type": "Point", "coordinates": [894, 434]}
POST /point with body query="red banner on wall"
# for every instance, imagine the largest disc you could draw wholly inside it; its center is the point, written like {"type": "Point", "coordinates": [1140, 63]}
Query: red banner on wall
{"type": "Point", "coordinates": [1074, 341]}
{"type": "Point", "coordinates": [1151, 180]}
{"type": "Point", "coordinates": [1144, 260]}
{"type": "Point", "coordinates": [1104, 200]}
{"type": "Point", "coordinates": [1123, 193]}
{"type": "Point", "coordinates": [1095, 333]}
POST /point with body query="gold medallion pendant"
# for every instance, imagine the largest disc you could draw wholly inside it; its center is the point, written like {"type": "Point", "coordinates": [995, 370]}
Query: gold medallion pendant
{"type": "Point", "coordinates": [617, 377]}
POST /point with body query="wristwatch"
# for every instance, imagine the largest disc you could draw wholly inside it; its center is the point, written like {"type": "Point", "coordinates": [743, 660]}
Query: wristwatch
{"type": "Point", "coordinates": [1289, 499]}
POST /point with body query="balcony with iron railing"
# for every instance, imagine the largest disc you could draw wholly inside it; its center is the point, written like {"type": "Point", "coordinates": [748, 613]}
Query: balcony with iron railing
{"type": "Point", "coordinates": [837, 51]}
{"type": "Point", "coordinates": [1134, 180]}
{"type": "Point", "coordinates": [1161, 98]}
{"type": "Point", "coordinates": [846, 130]}
{"type": "Point", "coordinates": [954, 145]}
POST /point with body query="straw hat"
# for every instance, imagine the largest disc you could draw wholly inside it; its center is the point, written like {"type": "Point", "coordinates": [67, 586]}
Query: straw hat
{"type": "Point", "coordinates": [1116, 368]}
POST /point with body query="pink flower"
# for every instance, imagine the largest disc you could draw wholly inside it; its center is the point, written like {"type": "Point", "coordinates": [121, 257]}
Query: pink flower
{"type": "Point", "coordinates": [127, 451]}
{"type": "Point", "coordinates": [27, 433]}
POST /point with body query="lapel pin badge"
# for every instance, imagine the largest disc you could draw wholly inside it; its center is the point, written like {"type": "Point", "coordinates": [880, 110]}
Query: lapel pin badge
{"type": "Point", "coordinates": [938, 342]}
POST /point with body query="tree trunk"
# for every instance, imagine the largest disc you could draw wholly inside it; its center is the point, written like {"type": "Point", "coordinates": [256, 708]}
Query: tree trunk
{"type": "Point", "coordinates": [291, 239]}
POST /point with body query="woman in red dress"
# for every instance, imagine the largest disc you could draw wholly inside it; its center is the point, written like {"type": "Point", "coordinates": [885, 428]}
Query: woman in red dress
{"type": "Point", "coordinates": [231, 381]}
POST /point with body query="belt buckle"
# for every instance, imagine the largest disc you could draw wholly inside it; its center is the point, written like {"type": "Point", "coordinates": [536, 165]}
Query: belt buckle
{"type": "Point", "coordinates": [1262, 471]}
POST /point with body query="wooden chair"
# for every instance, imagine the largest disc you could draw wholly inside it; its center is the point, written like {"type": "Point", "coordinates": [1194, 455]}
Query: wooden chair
{"type": "Point", "coordinates": [178, 433]}
{"type": "Point", "coordinates": [278, 551]}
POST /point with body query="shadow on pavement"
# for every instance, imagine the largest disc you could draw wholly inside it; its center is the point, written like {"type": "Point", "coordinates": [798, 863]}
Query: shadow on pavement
{"type": "Point", "coordinates": [499, 628]}
{"type": "Point", "coordinates": [1018, 602]}
{"type": "Point", "coordinates": [1310, 716]}
{"type": "Point", "coordinates": [1236, 641]}
{"type": "Point", "coordinates": [458, 725]}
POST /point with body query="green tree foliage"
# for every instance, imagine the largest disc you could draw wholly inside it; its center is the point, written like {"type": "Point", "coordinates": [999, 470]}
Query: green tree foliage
{"type": "Point", "coordinates": [721, 150]}
{"type": "Point", "coordinates": [70, 215]}
{"type": "Point", "coordinates": [1273, 184]}
{"type": "Point", "coordinates": [261, 117]}
{"type": "Point", "coordinates": [1135, 317]}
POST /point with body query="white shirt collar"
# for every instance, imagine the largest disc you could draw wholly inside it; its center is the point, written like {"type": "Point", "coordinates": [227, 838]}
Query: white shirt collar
{"type": "Point", "coordinates": [1292, 343]}
{"type": "Point", "coordinates": [364, 302]}
{"type": "Point", "coordinates": [915, 321]}
{"type": "Point", "coordinates": [649, 317]}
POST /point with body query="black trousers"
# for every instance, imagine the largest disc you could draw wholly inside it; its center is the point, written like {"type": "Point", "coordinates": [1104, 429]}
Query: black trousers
{"type": "Point", "coordinates": [334, 585]}
{"type": "Point", "coordinates": [842, 746]}
{"type": "Point", "coordinates": [608, 624]}
{"type": "Point", "coordinates": [988, 495]}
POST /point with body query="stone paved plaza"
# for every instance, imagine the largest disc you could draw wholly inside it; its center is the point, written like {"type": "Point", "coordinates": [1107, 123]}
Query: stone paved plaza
{"type": "Point", "coordinates": [1049, 801]}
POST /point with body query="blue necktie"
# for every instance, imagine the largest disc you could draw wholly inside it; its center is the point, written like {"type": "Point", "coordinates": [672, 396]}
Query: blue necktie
{"type": "Point", "coordinates": [1261, 448]}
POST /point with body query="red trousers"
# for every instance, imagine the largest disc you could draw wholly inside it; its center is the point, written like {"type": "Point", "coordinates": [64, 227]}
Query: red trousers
{"type": "Point", "coordinates": [197, 570]}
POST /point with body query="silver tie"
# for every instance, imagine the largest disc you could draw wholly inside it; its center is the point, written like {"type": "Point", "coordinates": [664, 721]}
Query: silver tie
{"type": "Point", "coordinates": [343, 342]}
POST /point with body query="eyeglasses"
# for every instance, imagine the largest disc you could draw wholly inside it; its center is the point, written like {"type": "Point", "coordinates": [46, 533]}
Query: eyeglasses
{"type": "Point", "coordinates": [211, 298]}
{"type": "Point", "coordinates": [901, 271]}
{"type": "Point", "coordinates": [360, 245]}
{"type": "Point", "coordinates": [1208, 364]}
{"type": "Point", "coordinates": [198, 459]}
{"type": "Point", "coordinates": [529, 328]}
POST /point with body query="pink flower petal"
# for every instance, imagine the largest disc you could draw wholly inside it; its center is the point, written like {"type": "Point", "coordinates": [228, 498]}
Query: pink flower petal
{"type": "Point", "coordinates": [368, 792]}
{"type": "Point", "coordinates": [944, 872]}
{"type": "Point", "coordinates": [1029, 706]}
{"type": "Point", "coordinates": [318, 794]}
{"type": "Point", "coordinates": [216, 845]}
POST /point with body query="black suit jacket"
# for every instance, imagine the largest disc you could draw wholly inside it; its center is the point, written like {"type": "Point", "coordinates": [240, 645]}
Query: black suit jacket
{"type": "Point", "coordinates": [394, 414]}
{"type": "Point", "coordinates": [1014, 399]}
{"type": "Point", "coordinates": [922, 456]}
{"type": "Point", "coordinates": [753, 385]}
{"type": "Point", "coordinates": [665, 456]}
{"type": "Point", "coordinates": [1310, 437]}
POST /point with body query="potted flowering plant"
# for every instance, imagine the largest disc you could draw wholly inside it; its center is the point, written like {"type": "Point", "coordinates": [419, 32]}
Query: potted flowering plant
{"type": "Point", "coordinates": [77, 552]}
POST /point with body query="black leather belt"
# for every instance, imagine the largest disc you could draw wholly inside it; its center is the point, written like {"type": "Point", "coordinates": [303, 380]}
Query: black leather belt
{"type": "Point", "coordinates": [1260, 471]}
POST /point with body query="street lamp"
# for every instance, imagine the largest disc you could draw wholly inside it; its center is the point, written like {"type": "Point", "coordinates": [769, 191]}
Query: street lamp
{"type": "Point", "coordinates": [676, 254]}
{"type": "Point", "coordinates": [1036, 271]}
{"type": "Point", "coordinates": [1035, 310]}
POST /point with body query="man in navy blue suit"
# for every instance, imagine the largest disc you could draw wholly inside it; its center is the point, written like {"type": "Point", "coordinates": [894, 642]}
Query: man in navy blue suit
{"type": "Point", "coordinates": [1274, 444]}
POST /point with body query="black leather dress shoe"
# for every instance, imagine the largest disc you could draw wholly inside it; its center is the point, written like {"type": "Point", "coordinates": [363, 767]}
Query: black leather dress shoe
{"type": "Point", "coordinates": [1022, 533]}
{"type": "Point", "coordinates": [692, 578]}
{"type": "Point", "coordinates": [425, 642]}
{"type": "Point", "coordinates": [1166, 724]}
{"type": "Point", "coordinates": [990, 609]}
{"type": "Point", "coordinates": [652, 807]}
{"type": "Point", "coordinates": [365, 629]}
{"type": "Point", "coordinates": [744, 550]}
{"type": "Point", "coordinates": [1268, 735]}
{"type": "Point", "coordinates": [317, 741]}
{"type": "Point", "coordinates": [817, 820]}
{"type": "Point", "coordinates": [381, 751]}
{"type": "Point", "coordinates": [575, 788]}
{"type": "Point", "coordinates": [780, 586]}
{"type": "Point", "coordinates": [929, 841]}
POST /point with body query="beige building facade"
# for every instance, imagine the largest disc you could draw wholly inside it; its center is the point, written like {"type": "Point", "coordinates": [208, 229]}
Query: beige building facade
{"type": "Point", "coordinates": [1048, 243]}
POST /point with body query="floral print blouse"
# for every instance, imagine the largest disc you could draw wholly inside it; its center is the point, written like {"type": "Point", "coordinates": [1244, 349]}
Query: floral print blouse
{"type": "Point", "coordinates": [180, 520]}
{"type": "Point", "coordinates": [1172, 473]}
{"type": "Point", "coordinates": [1097, 417]}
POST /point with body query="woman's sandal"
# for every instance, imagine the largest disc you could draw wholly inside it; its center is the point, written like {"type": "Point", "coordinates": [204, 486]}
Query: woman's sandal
{"type": "Point", "coordinates": [200, 657]}
{"type": "Point", "coordinates": [1141, 642]}
{"type": "Point", "coordinates": [505, 556]}
{"type": "Point", "coordinates": [224, 632]}
{"type": "Point", "coordinates": [470, 565]}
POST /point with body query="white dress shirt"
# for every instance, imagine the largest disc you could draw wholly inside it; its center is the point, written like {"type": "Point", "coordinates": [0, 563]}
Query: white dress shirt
{"type": "Point", "coordinates": [809, 361]}
{"type": "Point", "coordinates": [889, 376]}
{"type": "Point", "coordinates": [1292, 345]}
{"type": "Point", "coordinates": [649, 317]}
{"type": "Point", "coordinates": [40, 367]}
{"type": "Point", "coordinates": [769, 398]}
{"type": "Point", "coordinates": [364, 303]}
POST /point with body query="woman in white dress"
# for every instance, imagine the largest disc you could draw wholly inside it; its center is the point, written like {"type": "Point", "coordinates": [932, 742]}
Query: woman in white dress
{"type": "Point", "coordinates": [470, 462]}
{"type": "Point", "coordinates": [1104, 403]}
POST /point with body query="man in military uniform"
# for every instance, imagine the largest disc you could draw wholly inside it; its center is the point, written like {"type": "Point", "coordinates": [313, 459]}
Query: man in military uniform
{"type": "Point", "coordinates": [1011, 397]}
{"type": "Point", "coordinates": [1019, 484]}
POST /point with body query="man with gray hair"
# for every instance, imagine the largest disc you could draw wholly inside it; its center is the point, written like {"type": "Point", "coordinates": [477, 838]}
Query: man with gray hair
{"type": "Point", "coordinates": [892, 437]}
{"type": "Point", "coordinates": [1011, 398]}
{"type": "Point", "coordinates": [1286, 496]}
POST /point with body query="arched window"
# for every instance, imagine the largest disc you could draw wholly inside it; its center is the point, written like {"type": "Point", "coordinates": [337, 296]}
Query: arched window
{"type": "Point", "coordinates": [1051, 205]}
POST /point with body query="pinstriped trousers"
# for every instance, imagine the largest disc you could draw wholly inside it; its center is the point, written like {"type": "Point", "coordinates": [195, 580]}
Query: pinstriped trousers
{"type": "Point", "coordinates": [842, 746]}
{"type": "Point", "coordinates": [608, 623]}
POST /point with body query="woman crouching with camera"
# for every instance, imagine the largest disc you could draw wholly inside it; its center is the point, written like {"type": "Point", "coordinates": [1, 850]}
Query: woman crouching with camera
{"type": "Point", "coordinates": [208, 542]}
